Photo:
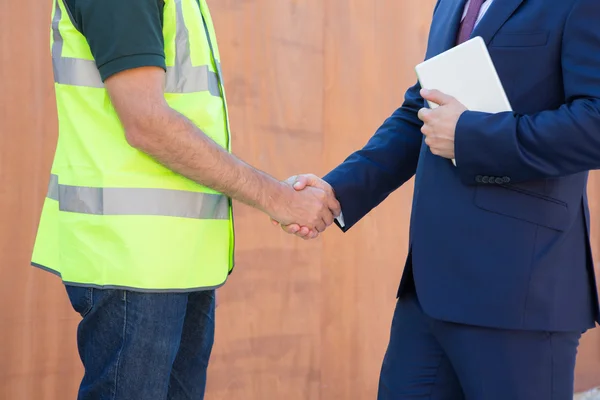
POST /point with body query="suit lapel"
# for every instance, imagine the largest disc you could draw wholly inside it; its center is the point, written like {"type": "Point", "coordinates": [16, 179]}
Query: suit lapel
{"type": "Point", "coordinates": [496, 16]}
{"type": "Point", "coordinates": [450, 13]}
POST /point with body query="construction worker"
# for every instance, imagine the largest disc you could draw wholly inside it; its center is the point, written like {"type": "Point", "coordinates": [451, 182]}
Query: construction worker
{"type": "Point", "coordinates": [138, 220]}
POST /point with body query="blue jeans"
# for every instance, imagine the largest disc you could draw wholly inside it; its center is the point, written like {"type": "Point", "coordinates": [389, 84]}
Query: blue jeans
{"type": "Point", "coordinates": [150, 346]}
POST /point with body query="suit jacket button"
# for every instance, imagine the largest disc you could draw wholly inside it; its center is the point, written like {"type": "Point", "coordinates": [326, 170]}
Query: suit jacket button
{"type": "Point", "coordinates": [478, 179]}
{"type": "Point", "coordinates": [506, 179]}
{"type": "Point", "coordinates": [499, 181]}
{"type": "Point", "coordinates": [485, 179]}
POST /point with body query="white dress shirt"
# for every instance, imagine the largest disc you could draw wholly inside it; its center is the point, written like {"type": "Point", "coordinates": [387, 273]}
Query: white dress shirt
{"type": "Point", "coordinates": [486, 5]}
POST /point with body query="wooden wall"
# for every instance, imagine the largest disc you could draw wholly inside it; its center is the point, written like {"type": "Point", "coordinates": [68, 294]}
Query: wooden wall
{"type": "Point", "coordinates": [308, 82]}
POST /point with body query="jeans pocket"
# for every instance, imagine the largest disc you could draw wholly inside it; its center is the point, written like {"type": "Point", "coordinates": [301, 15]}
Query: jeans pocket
{"type": "Point", "coordinates": [82, 298]}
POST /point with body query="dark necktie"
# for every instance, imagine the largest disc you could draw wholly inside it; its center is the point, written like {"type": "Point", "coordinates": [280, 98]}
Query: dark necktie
{"type": "Point", "coordinates": [468, 24]}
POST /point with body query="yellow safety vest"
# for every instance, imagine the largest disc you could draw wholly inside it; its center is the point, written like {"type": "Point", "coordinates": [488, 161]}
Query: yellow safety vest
{"type": "Point", "coordinates": [114, 217]}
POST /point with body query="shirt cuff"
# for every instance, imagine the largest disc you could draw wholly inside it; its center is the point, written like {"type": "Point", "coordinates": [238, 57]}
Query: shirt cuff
{"type": "Point", "coordinates": [340, 220]}
{"type": "Point", "coordinates": [130, 62]}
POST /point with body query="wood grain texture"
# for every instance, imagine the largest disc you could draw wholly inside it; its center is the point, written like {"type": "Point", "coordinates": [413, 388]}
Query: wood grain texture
{"type": "Point", "coordinates": [38, 355]}
{"type": "Point", "coordinates": [307, 83]}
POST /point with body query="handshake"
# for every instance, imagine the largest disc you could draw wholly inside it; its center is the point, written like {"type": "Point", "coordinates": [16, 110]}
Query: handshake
{"type": "Point", "coordinates": [308, 206]}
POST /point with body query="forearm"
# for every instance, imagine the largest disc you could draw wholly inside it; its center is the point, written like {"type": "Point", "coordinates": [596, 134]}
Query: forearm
{"type": "Point", "coordinates": [174, 141]}
{"type": "Point", "coordinates": [526, 147]}
{"type": "Point", "coordinates": [388, 160]}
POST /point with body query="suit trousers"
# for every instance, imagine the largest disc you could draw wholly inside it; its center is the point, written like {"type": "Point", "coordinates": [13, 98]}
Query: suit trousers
{"type": "Point", "coordinates": [432, 359]}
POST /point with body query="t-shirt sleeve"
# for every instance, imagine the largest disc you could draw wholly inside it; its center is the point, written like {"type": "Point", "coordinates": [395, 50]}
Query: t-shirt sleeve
{"type": "Point", "coordinates": [122, 34]}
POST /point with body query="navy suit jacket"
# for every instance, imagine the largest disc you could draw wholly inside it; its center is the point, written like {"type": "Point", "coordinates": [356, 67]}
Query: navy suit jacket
{"type": "Point", "coordinates": [501, 240]}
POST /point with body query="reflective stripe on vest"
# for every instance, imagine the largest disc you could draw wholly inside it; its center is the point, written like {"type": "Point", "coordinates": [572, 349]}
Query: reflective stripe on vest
{"type": "Point", "coordinates": [138, 201]}
{"type": "Point", "coordinates": [183, 77]}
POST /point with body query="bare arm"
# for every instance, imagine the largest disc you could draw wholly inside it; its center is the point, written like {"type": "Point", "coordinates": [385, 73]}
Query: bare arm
{"type": "Point", "coordinates": [170, 138]}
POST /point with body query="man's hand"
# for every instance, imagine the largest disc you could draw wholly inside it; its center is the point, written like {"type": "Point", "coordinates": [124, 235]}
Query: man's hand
{"type": "Point", "coordinates": [439, 124]}
{"type": "Point", "coordinates": [305, 182]}
{"type": "Point", "coordinates": [312, 207]}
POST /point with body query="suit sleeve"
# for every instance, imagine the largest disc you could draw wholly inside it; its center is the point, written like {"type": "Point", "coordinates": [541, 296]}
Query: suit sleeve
{"type": "Point", "coordinates": [388, 160]}
{"type": "Point", "coordinates": [550, 143]}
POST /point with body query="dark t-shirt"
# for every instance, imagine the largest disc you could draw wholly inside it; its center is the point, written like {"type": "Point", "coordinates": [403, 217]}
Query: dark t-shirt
{"type": "Point", "coordinates": [122, 34]}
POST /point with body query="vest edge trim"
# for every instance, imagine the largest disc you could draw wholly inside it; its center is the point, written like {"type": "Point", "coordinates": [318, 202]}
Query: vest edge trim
{"type": "Point", "coordinates": [130, 288]}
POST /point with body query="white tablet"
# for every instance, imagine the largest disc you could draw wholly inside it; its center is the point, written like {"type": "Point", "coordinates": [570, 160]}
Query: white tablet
{"type": "Point", "coordinates": [467, 73]}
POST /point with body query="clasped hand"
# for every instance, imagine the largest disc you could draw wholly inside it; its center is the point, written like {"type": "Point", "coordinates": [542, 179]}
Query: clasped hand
{"type": "Point", "coordinates": [439, 124]}
{"type": "Point", "coordinates": [314, 209]}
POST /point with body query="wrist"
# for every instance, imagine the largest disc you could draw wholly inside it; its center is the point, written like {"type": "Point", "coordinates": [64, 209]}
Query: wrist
{"type": "Point", "coordinates": [275, 197]}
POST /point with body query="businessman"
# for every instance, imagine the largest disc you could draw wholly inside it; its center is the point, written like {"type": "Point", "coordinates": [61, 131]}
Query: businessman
{"type": "Point", "coordinates": [498, 284]}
